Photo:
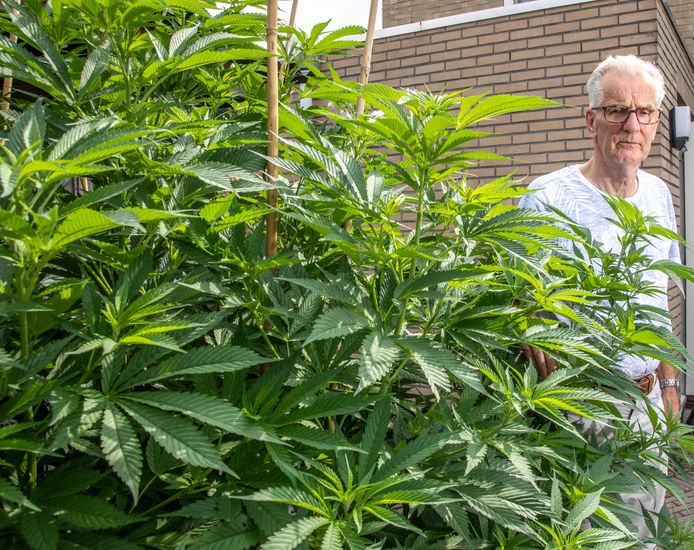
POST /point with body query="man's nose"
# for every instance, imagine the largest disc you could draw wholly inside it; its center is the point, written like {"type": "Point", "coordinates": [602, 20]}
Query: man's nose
{"type": "Point", "coordinates": [632, 123]}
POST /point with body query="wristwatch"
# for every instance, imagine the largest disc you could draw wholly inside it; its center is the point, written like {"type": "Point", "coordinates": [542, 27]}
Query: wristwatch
{"type": "Point", "coordinates": [669, 383]}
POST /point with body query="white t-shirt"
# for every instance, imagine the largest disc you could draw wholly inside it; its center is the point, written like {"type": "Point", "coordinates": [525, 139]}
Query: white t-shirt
{"type": "Point", "coordinates": [570, 192]}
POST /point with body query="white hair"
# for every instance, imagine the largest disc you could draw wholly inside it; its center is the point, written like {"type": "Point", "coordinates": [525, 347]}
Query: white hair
{"type": "Point", "coordinates": [628, 65]}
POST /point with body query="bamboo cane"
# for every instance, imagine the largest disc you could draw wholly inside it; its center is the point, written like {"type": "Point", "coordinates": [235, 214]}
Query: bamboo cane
{"type": "Point", "coordinates": [366, 57]}
{"type": "Point", "coordinates": [7, 81]}
{"type": "Point", "coordinates": [365, 70]}
{"type": "Point", "coordinates": [292, 20]}
{"type": "Point", "coordinates": [272, 126]}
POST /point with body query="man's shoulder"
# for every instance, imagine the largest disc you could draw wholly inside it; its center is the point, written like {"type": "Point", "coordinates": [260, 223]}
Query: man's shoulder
{"type": "Point", "coordinates": [651, 180]}
{"type": "Point", "coordinates": [555, 179]}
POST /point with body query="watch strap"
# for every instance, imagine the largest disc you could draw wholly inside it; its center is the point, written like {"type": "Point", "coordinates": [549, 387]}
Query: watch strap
{"type": "Point", "coordinates": [669, 383]}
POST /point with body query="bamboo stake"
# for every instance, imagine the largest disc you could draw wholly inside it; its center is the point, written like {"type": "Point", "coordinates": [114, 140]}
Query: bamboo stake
{"type": "Point", "coordinates": [272, 126]}
{"type": "Point", "coordinates": [7, 81]}
{"type": "Point", "coordinates": [292, 20]}
{"type": "Point", "coordinates": [365, 70]}
{"type": "Point", "coordinates": [366, 57]}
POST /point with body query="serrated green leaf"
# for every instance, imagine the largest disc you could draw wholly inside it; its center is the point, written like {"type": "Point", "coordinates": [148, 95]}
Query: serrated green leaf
{"type": "Point", "coordinates": [393, 518]}
{"type": "Point", "coordinates": [206, 409]}
{"type": "Point", "coordinates": [39, 530]}
{"type": "Point", "coordinates": [216, 507]}
{"type": "Point", "coordinates": [10, 492]}
{"type": "Point", "coordinates": [179, 437]}
{"type": "Point", "coordinates": [317, 438]}
{"type": "Point", "coordinates": [331, 539]}
{"type": "Point", "coordinates": [268, 516]}
{"type": "Point", "coordinates": [290, 536]}
{"type": "Point", "coordinates": [121, 448]}
{"type": "Point", "coordinates": [379, 354]}
{"type": "Point", "coordinates": [78, 225]}
{"type": "Point", "coordinates": [337, 322]}
{"type": "Point", "coordinates": [86, 512]}
{"type": "Point", "coordinates": [289, 495]}
{"type": "Point", "coordinates": [328, 404]}
{"type": "Point", "coordinates": [583, 509]}
{"type": "Point", "coordinates": [227, 536]}
{"type": "Point", "coordinates": [431, 359]}
{"type": "Point", "coordinates": [200, 361]}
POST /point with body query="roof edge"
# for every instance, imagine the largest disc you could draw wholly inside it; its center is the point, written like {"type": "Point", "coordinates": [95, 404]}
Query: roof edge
{"type": "Point", "coordinates": [481, 15]}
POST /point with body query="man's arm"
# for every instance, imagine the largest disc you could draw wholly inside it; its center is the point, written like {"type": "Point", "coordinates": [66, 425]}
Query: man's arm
{"type": "Point", "coordinates": [544, 364]}
{"type": "Point", "coordinates": [671, 396]}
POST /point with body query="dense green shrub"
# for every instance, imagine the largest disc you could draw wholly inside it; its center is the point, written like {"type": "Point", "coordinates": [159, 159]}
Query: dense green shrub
{"type": "Point", "coordinates": [165, 385]}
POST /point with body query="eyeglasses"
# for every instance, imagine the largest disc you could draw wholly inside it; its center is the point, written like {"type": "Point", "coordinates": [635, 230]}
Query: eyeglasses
{"type": "Point", "coordinates": [619, 115]}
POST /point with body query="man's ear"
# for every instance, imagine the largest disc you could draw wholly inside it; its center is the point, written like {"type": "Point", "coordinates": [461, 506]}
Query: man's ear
{"type": "Point", "coordinates": [590, 121]}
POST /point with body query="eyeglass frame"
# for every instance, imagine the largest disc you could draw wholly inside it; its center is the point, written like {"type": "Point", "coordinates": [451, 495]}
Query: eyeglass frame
{"type": "Point", "coordinates": [629, 112]}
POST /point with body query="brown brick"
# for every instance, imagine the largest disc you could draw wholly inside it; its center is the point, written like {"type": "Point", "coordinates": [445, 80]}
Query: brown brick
{"type": "Point", "coordinates": [390, 64]}
{"type": "Point", "coordinates": [429, 48]}
{"type": "Point", "coordinates": [429, 68]}
{"type": "Point", "coordinates": [399, 73]}
{"type": "Point", "coordinates": [511, 25]}
{"type": "Point", "coordinates": [493, 38]}
{"type": "Point", "coordinates": [543, 41]}
{"type": "Point", "coordinates": [528, 53]}
{"type": "Point", "coordinates": [447, 36]}
{"type": "Point", "coordinates": [581, 14]}
{"type": "Point", "coordinates": [562, 28]}
{"type": "Point", "coordinates": [446, 55]}
{"type": "Point", "coordinates": [616, 8]}
{"type": "Point", "coordinates": [463, 43]}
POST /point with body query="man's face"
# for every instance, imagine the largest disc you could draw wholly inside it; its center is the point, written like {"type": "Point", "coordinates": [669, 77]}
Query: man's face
{"type": "Point", "coordinates": [628, 143]}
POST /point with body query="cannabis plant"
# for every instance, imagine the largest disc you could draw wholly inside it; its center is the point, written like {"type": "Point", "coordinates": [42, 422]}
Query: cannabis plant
{"type": "Point", "coordinates": [166, 385]}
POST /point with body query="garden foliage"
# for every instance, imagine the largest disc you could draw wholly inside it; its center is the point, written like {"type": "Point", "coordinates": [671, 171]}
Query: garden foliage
{"type": "Point", "coordinates": [165, 385]}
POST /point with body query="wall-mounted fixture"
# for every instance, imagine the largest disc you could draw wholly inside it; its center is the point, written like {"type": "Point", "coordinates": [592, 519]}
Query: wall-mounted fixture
{"type": "Point", "coordinates": [680, 126]}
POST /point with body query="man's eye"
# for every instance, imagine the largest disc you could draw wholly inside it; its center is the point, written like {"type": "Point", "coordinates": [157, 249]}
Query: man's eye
{"type": "Point", "coordinates": [616, 111]}
{"type": "Point", "coordinates": [644, 112]}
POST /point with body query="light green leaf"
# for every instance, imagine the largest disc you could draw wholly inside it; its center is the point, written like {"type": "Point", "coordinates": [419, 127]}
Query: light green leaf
{"type": "Point", "coordinates": [331, 539]}
{"type": "Point", "coordinates": [268, 516]}
{"type": "Point", "coordinates": [583, 509]}
{"type": "Point", "coordinates": [290, 536]}
{"type": "Point", "coordinates": [121, 448]}
{"type": "Point", "coordinates": [374, 437]}
{"type": "Point", "coordinates": [177, 436]}
{"type": "Point", "coordinates": [432, 359]}
{"type": "Point", "coordinates": [391, 517]}
{"type": "Point", "coordinates": [411, 454]}
{"type": "Point", "coordinates": [328, 404]}
{"type": "Point", "coordinates": [206, 409]}
{"type": "Point", "coordinates": [317, 438]}
{"type": "Point", "coordinates": [289, 495]}
{"type": "Point", "coordinates": [379, 353]}
{"type": "Point", "coordinates": [79, 224]}
{"type": "Point", "coordinates": [337, 322]}
{"type": "Point", "coordinates": [200, 361]}
{"type": "Point", "coordinates": [227, 536]}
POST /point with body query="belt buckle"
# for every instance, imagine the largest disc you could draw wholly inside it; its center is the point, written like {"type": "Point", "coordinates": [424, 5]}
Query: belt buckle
{"type": "Point", "coordinates": [646, 383]}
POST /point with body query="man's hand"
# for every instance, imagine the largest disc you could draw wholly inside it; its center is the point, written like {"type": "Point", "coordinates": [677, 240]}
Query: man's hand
{"type": "Point", "coordinates": [544, 364]}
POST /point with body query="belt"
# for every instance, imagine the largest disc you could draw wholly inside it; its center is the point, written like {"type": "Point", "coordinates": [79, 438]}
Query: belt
{"type": "Point", "coordinates": [646, 383]}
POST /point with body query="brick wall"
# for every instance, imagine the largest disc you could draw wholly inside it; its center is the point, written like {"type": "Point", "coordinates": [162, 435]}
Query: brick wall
{"type": "Point", "coordinates": [674, 59]}
{"type": "Point", "coordinates": [683, 10]}
{"type": "Point", "coordinates": [401, 12]}
{"type": "Point", "coordinates": [549, 53]}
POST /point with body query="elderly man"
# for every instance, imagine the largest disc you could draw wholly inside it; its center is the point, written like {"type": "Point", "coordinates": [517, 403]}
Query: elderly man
{"type": "Point", "coordinates": [625, 94]}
